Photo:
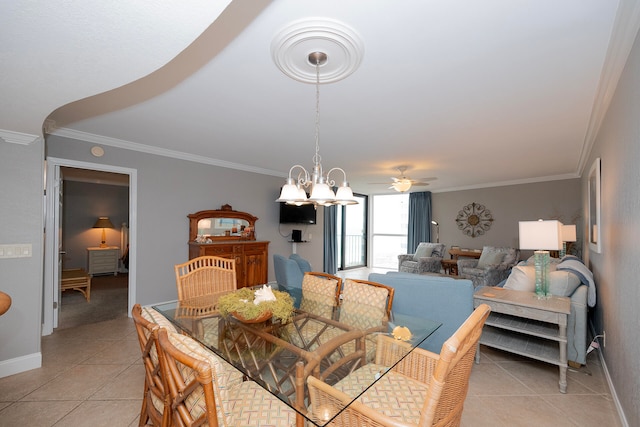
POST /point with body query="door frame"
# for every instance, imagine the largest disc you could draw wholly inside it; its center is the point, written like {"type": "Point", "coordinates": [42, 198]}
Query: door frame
{"type": "Point", "coordinates": [51, 255]}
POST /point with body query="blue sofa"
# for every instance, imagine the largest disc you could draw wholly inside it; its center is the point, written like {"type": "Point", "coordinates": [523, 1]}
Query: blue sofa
{"type": "Point", "coordinates": [440, 298]}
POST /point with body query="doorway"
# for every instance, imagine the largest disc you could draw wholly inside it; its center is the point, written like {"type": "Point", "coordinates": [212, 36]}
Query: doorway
{"type": "Point", "coordinates": [84, 235]}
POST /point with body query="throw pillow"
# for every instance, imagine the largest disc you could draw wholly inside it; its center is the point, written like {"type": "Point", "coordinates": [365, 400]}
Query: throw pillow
{"type": "Point", "coordinates": [423, 250]}
{"type": "Point", "coordinates": [522, 278]}
{"type": "Point", "coordinates": [563, 283]}
{"type": "Point", "coordinates": [490, 257]}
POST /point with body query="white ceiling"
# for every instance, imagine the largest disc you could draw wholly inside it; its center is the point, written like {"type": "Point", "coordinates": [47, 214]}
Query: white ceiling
{"type": "Point", "coordinates": [474, 93]}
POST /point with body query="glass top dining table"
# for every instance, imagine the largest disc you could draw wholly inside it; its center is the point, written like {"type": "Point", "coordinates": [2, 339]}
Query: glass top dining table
{"type": "Point", "coordinates": [322, 339]}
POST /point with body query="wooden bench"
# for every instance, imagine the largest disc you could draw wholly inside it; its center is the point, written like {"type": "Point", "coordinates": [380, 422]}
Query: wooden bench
{"type": "Point", "coordinates": [76, 279]}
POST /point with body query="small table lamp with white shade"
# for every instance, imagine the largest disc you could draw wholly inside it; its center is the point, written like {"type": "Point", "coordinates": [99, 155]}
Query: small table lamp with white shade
{"type": "Point", "coordinates": [541, 236]}
{"type": "Point", "coordinates": [568, 235]}
{"type": "Point", "coordinates": [103, 222]}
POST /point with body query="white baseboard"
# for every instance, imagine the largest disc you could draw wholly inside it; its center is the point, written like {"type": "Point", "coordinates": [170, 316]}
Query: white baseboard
{"type": "Point", "coordinates": [20, 364]}
{"type": "Point", "coordinates": [614, 395]}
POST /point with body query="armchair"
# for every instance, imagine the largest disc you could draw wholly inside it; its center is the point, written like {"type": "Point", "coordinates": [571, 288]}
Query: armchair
{"type": "Point", "coordinates": [427, 259]}
{"type": "Point", "coordinates": [290, 271]}
{"type": "Point", "coordinates": [493, 266]}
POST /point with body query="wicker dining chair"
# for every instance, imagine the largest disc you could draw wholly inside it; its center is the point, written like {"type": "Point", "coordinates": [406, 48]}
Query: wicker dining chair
{"type": "Point", "coordinates": [369, 293]}
{"type": "Point", "coordinates": [201, 281]}
{"type": "Point", "coordinates": [322, 284]}
{"type": "Point", "coordinates": [206, 390]}
{"type": "Point", "coordinates": [432, 387]}
{"type": "Point", "coordinates": [155, 401]}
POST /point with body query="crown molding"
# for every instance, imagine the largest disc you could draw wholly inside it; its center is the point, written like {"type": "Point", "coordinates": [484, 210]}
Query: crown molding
{"type": "Point", "coordinates": [512, 182]}
{"type": "Point", "coordinates": [134, 146]}
{"type": "Point", "coordinates": [623, 35]}
{"type": "Point", "coordinates": [17, 137]}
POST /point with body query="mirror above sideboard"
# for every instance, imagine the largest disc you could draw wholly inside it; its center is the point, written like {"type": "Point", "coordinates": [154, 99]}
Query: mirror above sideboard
{"type": "Point", "coordinates": [221, 224]}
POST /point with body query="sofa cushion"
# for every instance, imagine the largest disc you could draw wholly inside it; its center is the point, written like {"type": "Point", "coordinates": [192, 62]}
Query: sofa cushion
{"type": "Point", "coordinates": [490, 256]}
{"type": "Point", "coordinates": [522, 278]}
{"type": "Point", "coordinates": [561, 283]}
{"type": "Point", "coordinates": [423, 250]}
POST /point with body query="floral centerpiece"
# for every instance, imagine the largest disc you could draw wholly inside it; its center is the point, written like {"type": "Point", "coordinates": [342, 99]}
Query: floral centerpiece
{"type": "Point", "coordinates": [249, 305]}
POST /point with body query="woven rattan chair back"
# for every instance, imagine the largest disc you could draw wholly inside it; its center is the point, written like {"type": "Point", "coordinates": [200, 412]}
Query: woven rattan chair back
{"type": "Point", "coordinates": [323, 284]}
{"type": "Point", "coordinates": [445, 377]}
{"type": "Point", "coordinates": [368, 293]}
{"type": "Point", "coordinates": [205, 276]}
{"type": "Point", "coordinates": [155, 402]}
{"type": "Point", "coordinates": [190, 385]}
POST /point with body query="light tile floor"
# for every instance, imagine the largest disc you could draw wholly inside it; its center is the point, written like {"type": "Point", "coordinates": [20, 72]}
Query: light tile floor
{"type": "Point", "coordinates": [92, 376]}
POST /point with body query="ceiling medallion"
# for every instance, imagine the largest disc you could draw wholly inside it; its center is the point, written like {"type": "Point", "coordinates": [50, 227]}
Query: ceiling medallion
{"type": "Point", "coordinates": [474, 220]}
{"type": "Point", "coordinates": [291, 47]}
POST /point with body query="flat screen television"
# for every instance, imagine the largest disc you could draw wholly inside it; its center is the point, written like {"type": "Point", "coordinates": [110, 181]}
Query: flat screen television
{"type": "Point", "coordinates": [292, 214]}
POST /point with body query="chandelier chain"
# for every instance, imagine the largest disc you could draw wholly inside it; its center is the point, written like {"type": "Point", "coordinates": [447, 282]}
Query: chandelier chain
{"type": "Point", "coordinates": [316, 158]}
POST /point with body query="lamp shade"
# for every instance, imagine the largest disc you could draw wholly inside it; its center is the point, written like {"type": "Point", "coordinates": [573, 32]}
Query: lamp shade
{"type": "Point", "coordinates": [537, 235]}
{"type": "Point", "coordinates": [569, 233]}
{"type": "Point", "coordinates": [103, 222]}
{"type": "Point", "coordinates": [322, 194]}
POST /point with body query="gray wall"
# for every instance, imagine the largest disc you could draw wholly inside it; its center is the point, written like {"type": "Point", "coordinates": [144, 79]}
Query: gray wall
{"type": "Point", "coordinates": [170, 189]}
{"type": "Point", "coordinates": [21, 221]}
{"type": "Point", "coordinates": [559, 200]}
{"type": "Point", "coordinates": [83, 203]}
{"type": "Point", "coordinates": [616, 268]}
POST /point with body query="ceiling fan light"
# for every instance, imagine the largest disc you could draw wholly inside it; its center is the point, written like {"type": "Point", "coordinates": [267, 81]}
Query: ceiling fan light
{"type": "Point", "coordinates": [401, 185]}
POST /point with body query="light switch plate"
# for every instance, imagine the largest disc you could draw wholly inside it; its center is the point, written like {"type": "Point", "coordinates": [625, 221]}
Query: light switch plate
{"type": "Point", "coordinates": [17, 250]}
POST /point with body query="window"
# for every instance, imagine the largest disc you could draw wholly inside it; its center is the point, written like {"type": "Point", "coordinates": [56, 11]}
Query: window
{"type": "Point", "coordinates": [390, 225]}
{"type": "Point", "coordinates": [351, 229]}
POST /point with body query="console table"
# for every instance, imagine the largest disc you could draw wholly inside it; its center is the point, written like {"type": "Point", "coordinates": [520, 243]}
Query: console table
{"type": "Point", "coordinates": [522, 324]}
{"type": "Point", "coordinates": [457, 253]}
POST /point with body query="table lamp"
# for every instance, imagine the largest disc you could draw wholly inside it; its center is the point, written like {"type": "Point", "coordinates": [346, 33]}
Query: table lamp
{"type": "Point", "coordinates": [568, 235]}
{"type": "Point", "coordinates": [103, 222]}
{"type": "Point", "coordinates": [541, 236]}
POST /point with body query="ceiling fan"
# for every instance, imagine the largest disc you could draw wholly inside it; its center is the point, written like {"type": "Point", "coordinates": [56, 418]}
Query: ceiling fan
{"type": "Point", "coordinates": [404, 183]}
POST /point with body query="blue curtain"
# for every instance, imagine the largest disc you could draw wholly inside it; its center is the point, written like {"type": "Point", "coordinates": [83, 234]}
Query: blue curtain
{"type": "Point", "coordinates": [330, 242]}
{"type": "Point", "coordinates": [419, 220]}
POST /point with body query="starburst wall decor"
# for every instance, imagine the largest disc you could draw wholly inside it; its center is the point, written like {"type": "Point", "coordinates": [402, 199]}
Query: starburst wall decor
{"type": "Point", "coordinates": [474, 220]}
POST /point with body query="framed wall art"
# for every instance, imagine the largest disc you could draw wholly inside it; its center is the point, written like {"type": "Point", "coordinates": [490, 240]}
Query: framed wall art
{"type": "Point", "coordinates": [595, 231]}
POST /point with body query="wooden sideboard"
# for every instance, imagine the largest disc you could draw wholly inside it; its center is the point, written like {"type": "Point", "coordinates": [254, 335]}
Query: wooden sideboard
{"type": "Point", "coordinates": [252, 258]}
{"type": "Point", "coordinates": [230, 234]}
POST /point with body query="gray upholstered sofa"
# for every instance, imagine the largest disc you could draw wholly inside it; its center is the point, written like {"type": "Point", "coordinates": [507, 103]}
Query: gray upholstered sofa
{"type": "Point", "coordinates": [435, 297]}
{"type": "Point", "coordinates": [427, 259]}
{"type": "Point", "coordinates": [563, 282]}
{"type": "Point", "coordinates": [493, 266]}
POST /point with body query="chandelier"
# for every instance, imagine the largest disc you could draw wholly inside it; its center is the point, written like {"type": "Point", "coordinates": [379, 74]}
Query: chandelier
{"type": "Point", "coordinates": [320, 185]}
